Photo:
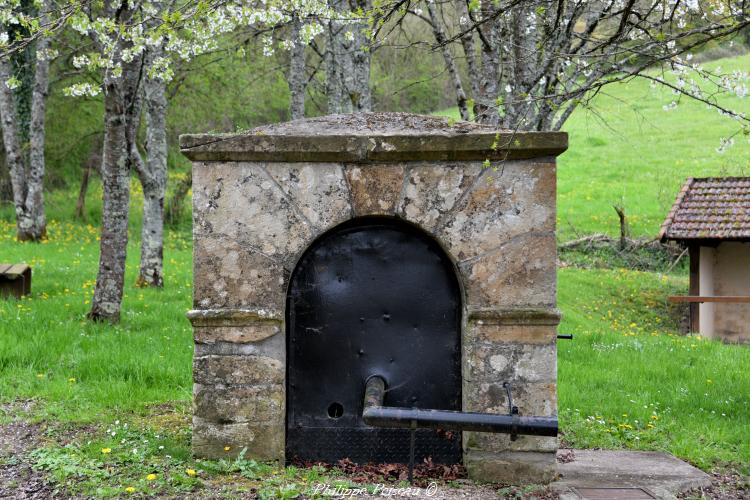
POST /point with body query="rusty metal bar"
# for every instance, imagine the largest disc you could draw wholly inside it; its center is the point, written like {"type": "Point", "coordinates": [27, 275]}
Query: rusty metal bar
{"type": "Point", "coordinates": [377, 415]}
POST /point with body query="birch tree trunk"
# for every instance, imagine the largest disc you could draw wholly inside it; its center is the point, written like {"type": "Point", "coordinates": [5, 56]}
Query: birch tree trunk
{"type": "Point", "coordinates": [358, 86]}
{"type": "Point", "coordinates": [122, 103]}
{"type": "Point", "coordinates": [333, 54]}
{"type": "Point", "coordinates": [35, 227]}
{"type": "Point", "coordinates": [26, 162]}
{"type": "Point", "coordinates": [486, 101]}
{"type": "Point", "coordinates": [450, 63]}
{"type": "Point", "coordinates": [468, 42]}
{"type": "Point", "coordinates": [153, 177]}
{"type": "Point", "coordinates": [297, 79]}
{"type": "Point", "coordinates": [348, 59]}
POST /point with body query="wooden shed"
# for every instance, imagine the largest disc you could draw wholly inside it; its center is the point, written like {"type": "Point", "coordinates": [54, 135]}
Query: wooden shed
{"type": "Point", "coordinates": [711, 217]}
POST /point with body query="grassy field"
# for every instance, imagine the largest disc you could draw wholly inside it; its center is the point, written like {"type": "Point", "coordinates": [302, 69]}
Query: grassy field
{"type": "Point", "coordinates": [627, 380]}
{"type": "Point", "coordinates": [627, 150]}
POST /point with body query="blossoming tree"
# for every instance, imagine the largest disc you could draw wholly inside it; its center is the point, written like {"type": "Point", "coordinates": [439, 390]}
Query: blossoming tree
{"type": "Point", "coordinates": [531, 63]}
{"type": "Point", "coordinates": [135, 46]}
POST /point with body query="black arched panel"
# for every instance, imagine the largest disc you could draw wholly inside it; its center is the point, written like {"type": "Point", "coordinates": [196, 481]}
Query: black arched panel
{"type": "Point", "coordinates": [372, 297]}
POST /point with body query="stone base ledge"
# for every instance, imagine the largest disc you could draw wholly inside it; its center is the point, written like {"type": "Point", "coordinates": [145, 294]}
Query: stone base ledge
{"type": "Point", "coordinates": [233, 317]}
{"type": "Point", "coordinates": [515, 316]}
{"type": "Point", "coordinates": [511, 467]}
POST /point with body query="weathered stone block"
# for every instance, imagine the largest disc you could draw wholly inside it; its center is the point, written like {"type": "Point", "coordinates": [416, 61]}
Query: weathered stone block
{"type": "Point", "coordinates": [521, 334]}
{"type": "Point", "coordinates": [319, 191]}
{"type": "Point", "coordinates": [236, 334]}
{"type": "Point", "coordinates": [514, 199]}
{"type": "Point", "coordinates": [431, 192]}
{"type": "Point", "coordinates": [232, 404]}
{"type": "Point", "coordinates": [376, 189]}
{"type": "Point", "coordinates": [263, 442]}
{"type": "Point", "coordinates": [232, 369]}
{"type": "Point", "coordinates": [229, 274]}
{"type": "Point", "coordinates": [532, 399]}
{"type": "Point", "coordinates": [518, 363]}
{"type": "Point", "coordinates": [231, 197]}
{"type": "Point", "coordinates": [520, 273]}
{"type": "Point", "coordinates": [512, 467]}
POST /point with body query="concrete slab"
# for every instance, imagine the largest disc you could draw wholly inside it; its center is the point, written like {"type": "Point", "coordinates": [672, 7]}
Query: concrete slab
{"type": "Point", "coordinates": [660, 474]}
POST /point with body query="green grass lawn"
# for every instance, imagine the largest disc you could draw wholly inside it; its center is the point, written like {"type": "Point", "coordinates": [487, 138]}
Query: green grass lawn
{"type": "Point", "coordinates": [628, 379]}
{"type": "Point", "coordinates": [627, 150]}
{"type": "Point", "coordinates": [84, 370]}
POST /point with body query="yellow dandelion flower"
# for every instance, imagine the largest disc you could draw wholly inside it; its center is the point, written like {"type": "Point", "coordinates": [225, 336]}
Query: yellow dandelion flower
{"type": "Point", "coordinates": [191, 472]}
{"type": "Point", "coordinates": [130, 489]}
{"type": "Point", "coordinates": [151, 477]}
{"type": "Point", "coordinates": [227, 448]}
{"type": "Point", "coordinates": [654, 417]}
{"type": "Point", "coordinates": [72, 380]}
{"type": "Point", "coordinates": [106, 450]}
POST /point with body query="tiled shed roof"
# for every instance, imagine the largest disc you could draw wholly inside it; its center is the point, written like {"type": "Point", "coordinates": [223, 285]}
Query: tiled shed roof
{"type": "Point", "coordinates": [716, 208]}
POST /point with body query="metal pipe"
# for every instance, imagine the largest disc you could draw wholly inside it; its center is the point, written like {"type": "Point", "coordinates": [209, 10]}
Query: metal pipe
{"type": "Point", "coordinates": [377, 415]}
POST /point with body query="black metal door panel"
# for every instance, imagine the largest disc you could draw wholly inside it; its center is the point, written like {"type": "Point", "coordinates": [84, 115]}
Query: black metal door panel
{"type": "Point", "coordinates": [376, 297]}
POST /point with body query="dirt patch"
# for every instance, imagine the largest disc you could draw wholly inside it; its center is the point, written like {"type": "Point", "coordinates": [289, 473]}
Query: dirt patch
{"type": "Point", "coordinates": [17, 478]}
{"type": "Point", "coordinates": [726, 485]}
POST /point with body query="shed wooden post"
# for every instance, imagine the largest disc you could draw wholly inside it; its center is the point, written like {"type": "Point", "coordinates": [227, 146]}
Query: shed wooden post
{"type": "Point", "coordinates": [694, 253]}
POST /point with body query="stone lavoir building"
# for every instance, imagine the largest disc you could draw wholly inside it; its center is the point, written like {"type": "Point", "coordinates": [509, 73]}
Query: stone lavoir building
{"type": "Point", "coordinates": [711, 217]}
{"type": "Point", "coordinates": [338, 253]}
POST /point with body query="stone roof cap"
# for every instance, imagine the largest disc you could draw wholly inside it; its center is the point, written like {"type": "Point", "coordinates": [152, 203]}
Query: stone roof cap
{"type": "Point", "coordinates": [368, 137]}
{"type": "Point", "coordinates": [711, 208]}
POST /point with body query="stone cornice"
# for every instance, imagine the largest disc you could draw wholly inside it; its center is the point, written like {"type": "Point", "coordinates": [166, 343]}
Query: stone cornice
{"type": "Point", "coordinates": [374, 147]}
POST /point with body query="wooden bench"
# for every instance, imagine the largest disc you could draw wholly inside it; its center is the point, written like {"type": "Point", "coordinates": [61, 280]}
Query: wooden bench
{"type": "Point", "coordinates": [15, 280]}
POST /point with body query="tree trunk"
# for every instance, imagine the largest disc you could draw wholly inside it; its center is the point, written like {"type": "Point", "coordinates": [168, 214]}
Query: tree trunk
{"type": "Point", "coordinates": [175, 206]}
{"type": "Point", "coordinates": [153, 176]}
{"type": "Point", "coordinates": [348, 59]}
{"type": "Point", "coordinates": [297, 79]}
{"type": "Point", "coordinates": [81, 202]}
{"type": "Point", "coordinates": [469, 46]}
{"type": "Point", "coordinates": [6, 192]}
{"type": "Point", "coordinates": [358, 88]}
{"type": "Point", "coordinates": [486, 103]}
{"type": "Point", "coordinates": [121, 113]}
{"type": "Point", "coordinates": [450, 63]}
{"type": "Point", "coordinates": [95, 158]}
{"type": "Point", "coordinates": [27, 168]}
{"type": "Point", "coordinates": [13, 156]}
{"type": "Point", "coordinates": [36, 223]}
{"type": "Point", "coordinates": [333, 54]}
{"type": "Point", "coordinates": [624, 230]}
